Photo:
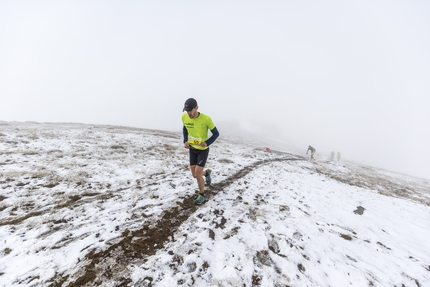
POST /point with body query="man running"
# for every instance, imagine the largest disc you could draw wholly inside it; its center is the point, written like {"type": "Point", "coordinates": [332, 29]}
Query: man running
{"type": "Point", "coordinates": [195, 130]}
{"type": "Point", "coordinates": [310, 148]}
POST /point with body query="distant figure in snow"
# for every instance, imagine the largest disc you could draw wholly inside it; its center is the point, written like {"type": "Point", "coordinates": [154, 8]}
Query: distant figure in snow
{"type": "Point", "coordinates": [312, 150]}
{"type": "Point", "coordinates": [332, 155]}
{"type": "Point", "coordinates": [338, 156]}
{"type": "Point", "coordinates": [196, 139]}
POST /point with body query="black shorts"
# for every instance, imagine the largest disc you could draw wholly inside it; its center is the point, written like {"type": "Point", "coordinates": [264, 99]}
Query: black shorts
{"type": "Point", "coordinates": [198, 157]}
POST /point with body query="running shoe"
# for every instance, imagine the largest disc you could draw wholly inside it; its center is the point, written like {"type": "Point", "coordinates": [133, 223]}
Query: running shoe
{"type": "Point", "coordinates": [200, 198]}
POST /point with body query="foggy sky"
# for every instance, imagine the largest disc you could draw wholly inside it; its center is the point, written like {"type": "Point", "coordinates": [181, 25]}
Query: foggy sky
{"type": "Point", "coordinates": [348, 76]}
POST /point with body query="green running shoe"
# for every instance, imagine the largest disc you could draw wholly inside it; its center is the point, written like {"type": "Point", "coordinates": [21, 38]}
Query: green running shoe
{"type": "Point", "coordinates": [208, 179]}
{"type": "Point", "coordinates": [200, 198]}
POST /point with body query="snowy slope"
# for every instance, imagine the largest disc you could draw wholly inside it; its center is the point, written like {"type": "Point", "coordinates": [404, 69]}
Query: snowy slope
{"type": "Point", "coordinates": [84, 205]}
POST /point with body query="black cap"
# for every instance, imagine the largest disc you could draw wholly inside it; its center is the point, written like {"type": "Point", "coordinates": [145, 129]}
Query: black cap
{"type": "Point", "coordinates": [189, 104]}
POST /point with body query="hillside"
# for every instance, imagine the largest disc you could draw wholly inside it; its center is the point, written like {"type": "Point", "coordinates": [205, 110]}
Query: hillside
{"type": "Point", "coordinates": [87, 205]}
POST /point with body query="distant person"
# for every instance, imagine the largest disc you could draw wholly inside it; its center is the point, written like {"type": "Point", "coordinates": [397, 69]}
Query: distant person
{"type": "Point", "coordinates": [332, 155]}
{"type": "Point", "coordinates": [338, 156]}
{"type": "Point", "coordinates": [195, 130]}
{"type": "Point", "coordinates": [312, 150]}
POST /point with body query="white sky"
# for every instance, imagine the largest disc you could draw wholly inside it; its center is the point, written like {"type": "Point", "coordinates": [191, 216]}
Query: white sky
{"type": "Point", "coordinates": [348, 76]}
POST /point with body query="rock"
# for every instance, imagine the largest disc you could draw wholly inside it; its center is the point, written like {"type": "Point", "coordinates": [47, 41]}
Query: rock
{"type": "Point", "coordinates": [359, 210]}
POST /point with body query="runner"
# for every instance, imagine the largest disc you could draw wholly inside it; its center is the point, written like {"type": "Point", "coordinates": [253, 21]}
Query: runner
{"type": "Point", "coordinates": [310, 148]}
{"type": "Point", "coordinates": [196, 126]}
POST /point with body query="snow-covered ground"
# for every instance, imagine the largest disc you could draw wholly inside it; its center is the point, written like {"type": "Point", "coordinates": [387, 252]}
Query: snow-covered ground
{"type": "Point", "coordinates": [86, 205]}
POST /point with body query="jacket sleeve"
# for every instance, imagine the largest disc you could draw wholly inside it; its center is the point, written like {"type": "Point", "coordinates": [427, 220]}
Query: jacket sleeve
{"type": "Point", "coordinates": [215, 135]}
{"type": "Point", "coordinates": [185, 133]}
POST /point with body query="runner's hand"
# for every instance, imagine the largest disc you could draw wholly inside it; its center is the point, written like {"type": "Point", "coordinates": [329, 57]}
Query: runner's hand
{"type": "Point", "coordinates": [186, 145]}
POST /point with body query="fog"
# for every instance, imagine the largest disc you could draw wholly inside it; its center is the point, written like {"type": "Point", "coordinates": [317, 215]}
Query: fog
{"type": "Point", "coordinates": [347, 76]}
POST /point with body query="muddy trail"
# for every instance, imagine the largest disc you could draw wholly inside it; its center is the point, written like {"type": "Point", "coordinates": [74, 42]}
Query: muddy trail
{"type": "Point", "coordinates": [135, 245]}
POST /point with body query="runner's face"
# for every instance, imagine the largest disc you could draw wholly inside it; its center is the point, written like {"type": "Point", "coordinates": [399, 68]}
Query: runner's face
{"type": "Point", "coordinates": [193, 113]}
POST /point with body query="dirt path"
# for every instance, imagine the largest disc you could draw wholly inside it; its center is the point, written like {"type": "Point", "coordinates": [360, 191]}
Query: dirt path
{"type": "Point", "coordinates": [136, 245]}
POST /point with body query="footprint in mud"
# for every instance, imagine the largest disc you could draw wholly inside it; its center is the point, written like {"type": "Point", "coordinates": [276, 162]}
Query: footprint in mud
{"type": "Point", "coordinates": [220, 220]}
{"type": "Point", "coordinates": [259, 200]}
{"type": "Point", "coordinates": [297, 235]}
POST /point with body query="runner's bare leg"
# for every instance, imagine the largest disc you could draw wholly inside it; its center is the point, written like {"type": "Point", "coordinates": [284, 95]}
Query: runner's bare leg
{"type": "Point", "coordinates": [197, 172]}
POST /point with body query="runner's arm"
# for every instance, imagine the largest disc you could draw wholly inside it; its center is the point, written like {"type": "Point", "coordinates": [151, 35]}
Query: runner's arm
{"type": "Point", "coordinates": [215, 135]}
